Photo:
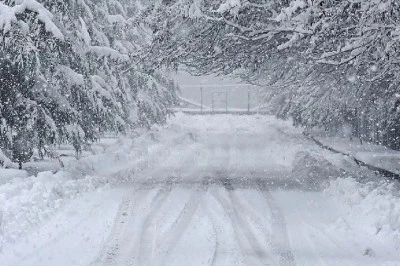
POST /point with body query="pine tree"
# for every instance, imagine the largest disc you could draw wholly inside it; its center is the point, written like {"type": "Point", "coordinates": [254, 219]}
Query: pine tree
{"type": "Point", "coordinates": [70, 70]}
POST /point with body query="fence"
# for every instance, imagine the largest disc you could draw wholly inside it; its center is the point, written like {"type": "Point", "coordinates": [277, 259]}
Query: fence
{"type": "Point", "coordinates": [216, 99]}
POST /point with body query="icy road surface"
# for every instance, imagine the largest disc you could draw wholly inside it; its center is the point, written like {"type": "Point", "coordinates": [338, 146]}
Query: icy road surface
{"type": "Point", "coordinates": [212, 190]}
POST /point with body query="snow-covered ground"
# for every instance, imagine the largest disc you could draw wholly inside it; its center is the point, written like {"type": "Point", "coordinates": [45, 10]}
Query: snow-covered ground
{"type": "Point", "coordinates": [372, 154]}
{"type": "Point", "coordinates": [58, 154]}
{"type": "Point", "coordinates": [203, 190]}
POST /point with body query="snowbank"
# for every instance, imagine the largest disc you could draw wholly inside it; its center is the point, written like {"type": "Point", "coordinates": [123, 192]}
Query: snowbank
{"type": "Point", "coordinates": [313, 172]}
{"type": "Point", "coordinates": [375, 205]}
{"type": "Point", "coordinates": [369, 202]}
{"type": "Point", "coordinates": [371, 154]}
{"type": "Point", "coordinates": [9, 174]}
{"type": "Point", "coordinates": [26, 202]}
{"type": "Point", "coordinates": [367, 199]}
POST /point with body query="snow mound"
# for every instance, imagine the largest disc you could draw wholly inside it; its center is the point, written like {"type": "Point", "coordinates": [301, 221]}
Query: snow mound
{"type": "Point", "coordinates": [313, 171]}
{"type": "Point", "coordinates": [9, 174]}
{"type": "Point", "coordinates": [25, 202]}
{"type": "Point", "coordinates": [375, 205]}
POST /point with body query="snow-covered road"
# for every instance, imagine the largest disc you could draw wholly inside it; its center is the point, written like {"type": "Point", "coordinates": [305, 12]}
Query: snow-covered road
{"type": "Point", "coordinates": [216, 221]}
{"type": "Point", "coordinates": [218, 190]}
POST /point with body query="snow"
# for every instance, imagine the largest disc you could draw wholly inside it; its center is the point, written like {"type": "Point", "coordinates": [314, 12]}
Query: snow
{"type": "Point", "coordinates": [233, 6]}
{"type": "Point", "coordinates": [8, 174]}
{"type": "Point", "coordinates": [85, 33]}
{"type": "Point", "coordinates": [288, 12]}
{"type": "Point", "coordinates": [117, 19]}
{"type": "Point", "coordinates": [8, 16]}
{"type": "Point", "coordinates": [4, 160]}
{"type": "Point", "coordinates": [100, 85]}
{"type": "Point", "coordinates": [86, 8]}
{"type": "Point", "coordinates": [372, 154]}
{"type": "Point", "coordinates": [73, 78]}
{"type": "Point", "coordinates": [289, 43]}
{"type": "Point", "coordinates": [27, 202]}
{"type": "Point", "coordinates": [322, 233]}
{"type": "Point", "coordinates": [203, 190]}
{"type": "Point", "coordinates": [379, 202]}
{"type": "Point", "coordinates": [103, 51]}
{"type": "Point", "coordinates": [195, 10]}
{"type": "Point", "coordinates": [191, 102]}
{"type": "Point", "coordinates": [87, 221]}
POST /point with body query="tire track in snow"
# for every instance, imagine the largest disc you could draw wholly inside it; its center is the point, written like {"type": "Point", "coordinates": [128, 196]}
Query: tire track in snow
{"type": "Point", "coordinates": [246, 212]}
{"type": "Point", "coordinates": [281, 238]}
{"type": "Point", "coordinates": [175, 233]}
{"type": "Point", "coordinates": [117, 243]}
{"type": "Point", "coordinates": [221, 248]}
{"type": "Point", "coordinates": [32, 256]}
{"type": "Point", "coordinates": [118, 229]}
{"type": "Point", "coordinates": [126, 242]}
{"type": "Point", "coordinates": [255, 253]}
{"type": "Point", "coordinates": [236, 211]}
{"type": "Point", "coordinates": [306, 236]}
{"type": "Point", "coordinates": [121, 250]}
{"type": "Point", "coordinates": [146, 244]}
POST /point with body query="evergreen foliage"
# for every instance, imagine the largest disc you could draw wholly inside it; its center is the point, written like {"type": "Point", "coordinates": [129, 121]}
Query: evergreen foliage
{"type": "Point", "coordinates": [72, 69]}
